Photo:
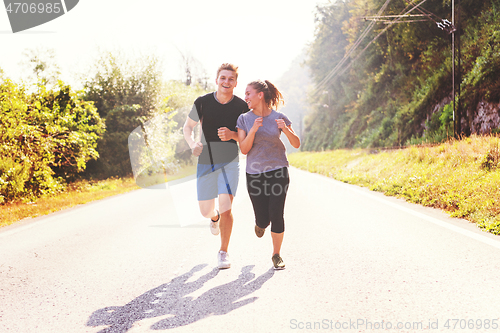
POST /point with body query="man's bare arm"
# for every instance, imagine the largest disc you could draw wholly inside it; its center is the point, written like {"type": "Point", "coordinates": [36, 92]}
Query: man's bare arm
{"type": "Point", "coordinates": [196, 147]}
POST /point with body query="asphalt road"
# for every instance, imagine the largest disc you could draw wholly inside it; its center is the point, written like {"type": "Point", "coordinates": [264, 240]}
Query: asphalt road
{"type": "Point", "coordinates": [356, 261]}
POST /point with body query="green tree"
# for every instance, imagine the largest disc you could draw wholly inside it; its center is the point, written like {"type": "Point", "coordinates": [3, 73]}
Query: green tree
{"type": "Point", "coordinates": [126, 93]}
{"type": "Point", "coordinates": [118, 81]}
{"type": "Point", "coordinates": [294, 84]}
{"type": "Point", "coordinates": [46, 138]}
{"type": "Point", "coordinates": [71, 125]}
{"type": "Point", "coordinates": [130, 94]}
{"type": "Point", "coordinates": [391, 79]}
{"type": "Point", "coordinates": [328, 99]}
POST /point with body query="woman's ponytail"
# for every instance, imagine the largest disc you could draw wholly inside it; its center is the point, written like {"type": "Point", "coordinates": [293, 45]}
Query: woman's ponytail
{"type": "Point", "coordinates": [275, 96]}
{"type": "Point", "coordinates": [272, 95]}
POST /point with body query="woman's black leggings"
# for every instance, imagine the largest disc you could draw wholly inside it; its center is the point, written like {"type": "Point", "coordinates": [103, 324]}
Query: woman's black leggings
{"type": "Point", "coordinates": [268, 193]}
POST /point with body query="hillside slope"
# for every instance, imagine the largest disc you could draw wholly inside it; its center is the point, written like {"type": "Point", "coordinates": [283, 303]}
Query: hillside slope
{"type": "Point", "coordinates": [383, 85]}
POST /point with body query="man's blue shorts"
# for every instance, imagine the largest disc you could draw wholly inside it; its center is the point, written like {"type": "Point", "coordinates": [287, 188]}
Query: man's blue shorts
{"type": "Point", "coordinates": [217, 179]}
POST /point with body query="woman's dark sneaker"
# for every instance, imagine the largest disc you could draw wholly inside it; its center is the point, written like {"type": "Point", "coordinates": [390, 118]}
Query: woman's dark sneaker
{"type": "Point", "coordinates": [259, 231]}
{"type": "Point", "coordinates": [278, 262]}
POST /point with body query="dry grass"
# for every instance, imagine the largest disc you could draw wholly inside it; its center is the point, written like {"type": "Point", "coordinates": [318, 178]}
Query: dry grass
{"type": "Point", "coordinates": [460, 177]}
{"type": "Point", "coordinates": [77, 193]}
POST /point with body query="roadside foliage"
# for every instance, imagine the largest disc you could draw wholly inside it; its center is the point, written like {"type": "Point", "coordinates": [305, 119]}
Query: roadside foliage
{"type": "Point", "coordinates": [461, 177]}
{"type": "Point", "coordinates": [46, 138]}
{"type": "Point", "coordinates": [130, 93]}
{"type": "Point", "coordinates": [51, 135]}
{"type": "Point", "coordinates": [395, 86]}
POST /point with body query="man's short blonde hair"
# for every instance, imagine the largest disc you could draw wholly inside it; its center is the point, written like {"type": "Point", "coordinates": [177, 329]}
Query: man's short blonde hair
{"type": "Point", "coordinates": [228, 67]}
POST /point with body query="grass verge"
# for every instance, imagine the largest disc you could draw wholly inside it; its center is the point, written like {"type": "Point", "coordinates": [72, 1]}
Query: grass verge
{"type": "Point", "coordinates": [77, 193]}
{"type": "Point", "coordinates": [461, 177]}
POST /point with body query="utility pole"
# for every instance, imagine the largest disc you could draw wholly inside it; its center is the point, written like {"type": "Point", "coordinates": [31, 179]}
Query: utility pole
{"type": "Point", "coordinates": [453, 69]}
{"type": "Point", "coordinates": [459, 66]}
{"type": "Point", "coordinates": [455, 39]}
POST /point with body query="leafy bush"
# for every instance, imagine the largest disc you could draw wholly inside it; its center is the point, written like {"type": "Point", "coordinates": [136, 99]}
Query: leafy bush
{"type": "Point", "coordinates": [114, 155]}
{"type": "Point", "coordinates": [46, 138]}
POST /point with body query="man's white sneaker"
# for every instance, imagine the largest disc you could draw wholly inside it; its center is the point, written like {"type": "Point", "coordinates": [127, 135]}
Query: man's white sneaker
{"type": "Point", "coordinates": [223, 259]}
{"type": "Point", "coordinates": [214, 225]}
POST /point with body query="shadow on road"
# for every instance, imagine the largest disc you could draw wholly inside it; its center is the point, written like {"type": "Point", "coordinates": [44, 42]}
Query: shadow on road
{"type": "Point", "coordinates": [171, 299]}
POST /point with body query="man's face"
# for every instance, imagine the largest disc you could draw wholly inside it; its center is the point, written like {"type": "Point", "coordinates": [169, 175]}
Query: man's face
{"type": "Point", "coordinates": [226, 81]}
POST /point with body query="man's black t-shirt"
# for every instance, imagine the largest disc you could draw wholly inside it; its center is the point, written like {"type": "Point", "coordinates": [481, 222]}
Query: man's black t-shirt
{"type": "Point", "coordinates": [214, 115]}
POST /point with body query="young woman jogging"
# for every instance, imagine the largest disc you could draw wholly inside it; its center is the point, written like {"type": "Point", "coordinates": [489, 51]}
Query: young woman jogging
{"type": "Point", "coordinates": [259, 133]}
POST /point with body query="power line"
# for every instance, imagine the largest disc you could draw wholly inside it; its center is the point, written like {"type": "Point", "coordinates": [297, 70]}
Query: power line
{"type": "Point", "coordinates": [346, 56]}
{"type": "Point", "coordinates": [442, 24]}
{"type": "Point", "coordinates": [407, 21]}
{"type": "Point", "coordinates": [424, 11]}
{"type": "Point", "coordinates": [335, 72]}
{"type": "Point", "coordinates": [391, 16]}
{"type": "Point", "coordinates": [385, 18]}
{"type": "Point", "coordinates": [376, 37]}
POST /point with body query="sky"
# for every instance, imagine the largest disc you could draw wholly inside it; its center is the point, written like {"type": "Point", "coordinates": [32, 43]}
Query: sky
{"type": "Point", "coordinates": [262, 37]}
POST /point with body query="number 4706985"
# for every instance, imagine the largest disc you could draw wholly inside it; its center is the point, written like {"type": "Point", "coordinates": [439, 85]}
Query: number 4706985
{"type": "Point", "coordinates": [32, 8]}
{"type": "Point", "coordinates": [471, 324]}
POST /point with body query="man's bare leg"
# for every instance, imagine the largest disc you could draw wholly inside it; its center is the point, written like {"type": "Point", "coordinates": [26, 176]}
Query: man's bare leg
{"type": "Point", "coordinates": [207, 209]}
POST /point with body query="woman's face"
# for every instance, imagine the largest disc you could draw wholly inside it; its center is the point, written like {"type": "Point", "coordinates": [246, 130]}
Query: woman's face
{"type": "Point", "coordinates": [252, 97]}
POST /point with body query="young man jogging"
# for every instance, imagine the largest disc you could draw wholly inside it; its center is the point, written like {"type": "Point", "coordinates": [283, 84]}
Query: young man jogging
{"type": "Point", "coordinates": [217, 151]}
